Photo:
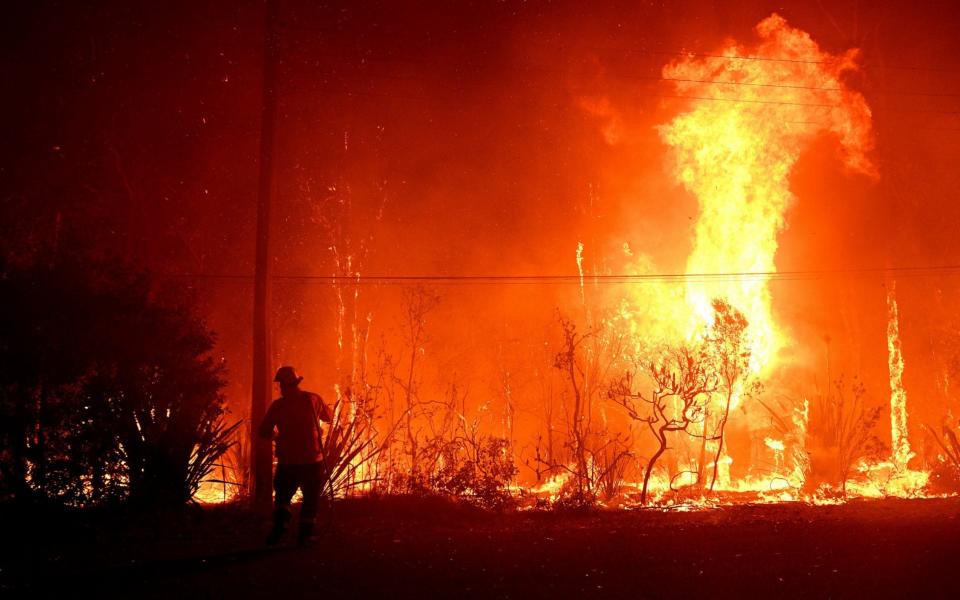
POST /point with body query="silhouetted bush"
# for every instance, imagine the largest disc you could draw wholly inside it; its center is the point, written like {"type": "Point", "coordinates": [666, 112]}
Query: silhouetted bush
{"type": "Point", "coordinates": [109, 388]}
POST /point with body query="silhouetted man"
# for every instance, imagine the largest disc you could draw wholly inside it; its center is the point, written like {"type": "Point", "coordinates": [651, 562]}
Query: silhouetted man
{"type": "Point", "coordinates": [296, 415]}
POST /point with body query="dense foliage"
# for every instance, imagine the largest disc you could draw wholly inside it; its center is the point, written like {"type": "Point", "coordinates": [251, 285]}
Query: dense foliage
{"type": "Point", "coordinates": [108, 388]}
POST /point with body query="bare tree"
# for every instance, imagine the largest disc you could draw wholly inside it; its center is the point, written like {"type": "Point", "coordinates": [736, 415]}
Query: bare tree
{"type": "Point", "coordinates": [592, 453]}
{"type": "Point", "coordinates": [418, 302]}
{"type": "Point", "coordinates": [440, 421]}
{"type": "Point", "coordinates": [726, 342]}
{"type": "Point", "coordinates": [683, 383]}
{"type": "Point", "coordinates": [567, 362]}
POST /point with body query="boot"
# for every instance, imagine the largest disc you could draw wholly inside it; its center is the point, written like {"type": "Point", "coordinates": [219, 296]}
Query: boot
{"type": "Point", "coordinates": [281, 516]}
{"type": "Point", "coordinates": [305, 532]}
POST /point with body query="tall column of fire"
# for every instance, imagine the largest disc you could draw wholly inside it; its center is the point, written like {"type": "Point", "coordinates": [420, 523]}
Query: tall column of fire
{"type": "Point", "coordinates": [752, 113]}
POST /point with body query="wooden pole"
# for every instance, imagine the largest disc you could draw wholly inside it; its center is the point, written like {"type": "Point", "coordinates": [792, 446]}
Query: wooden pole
{"type": "Point", "coordinates": [261, 457]}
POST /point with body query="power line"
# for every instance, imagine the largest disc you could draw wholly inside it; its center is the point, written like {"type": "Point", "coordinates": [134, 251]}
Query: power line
{"type": "Point", "coordinates": [792, 60]}
{"type": "Point", "coordinates": [545, 69]}
{"type": "Point", "coordinates": [783, 60]}
{"type": "Point", "coordinates": [490, 85]}
{"type": "Point", "coordinates": [654, 78]}
{"type": "Point", "coordinates": [291, 27]}
{"type": "Point", "coordinates": [674, 96]}
{"type": "Point", "coordinates": [744, 83]}
{"type": "Point", "coordinates": [798, 275]}
{"type": "Point", "coordinates": [751, 101]}
{"type": "Point", "coordinates": [796, 87]}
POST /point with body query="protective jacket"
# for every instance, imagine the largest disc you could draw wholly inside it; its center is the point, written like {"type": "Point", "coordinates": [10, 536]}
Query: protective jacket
{"type": "Point", "coordinates": [296, 420]}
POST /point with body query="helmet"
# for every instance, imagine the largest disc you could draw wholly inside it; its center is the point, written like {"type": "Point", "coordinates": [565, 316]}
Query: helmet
{"type": "Point", "coordinates": [287, 375]}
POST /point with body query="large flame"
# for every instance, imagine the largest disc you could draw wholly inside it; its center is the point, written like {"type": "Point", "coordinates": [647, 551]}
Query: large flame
{"type": "Point", "coordinates": [752, 111]}
{"type": "Point", "coordinates": [735, 149]}
{"type": "Point", "coordinates": [893, 477]}
{"type": "Point", "coordinates": [899, 442]}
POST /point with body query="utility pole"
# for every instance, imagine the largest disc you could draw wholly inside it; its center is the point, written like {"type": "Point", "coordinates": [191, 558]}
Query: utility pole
{"type": "Point", "coordinates": [261, 452]}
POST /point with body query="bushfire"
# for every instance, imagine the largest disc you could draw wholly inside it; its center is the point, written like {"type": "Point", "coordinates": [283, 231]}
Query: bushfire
{"type": "Point", "coordinates": [680, 389]}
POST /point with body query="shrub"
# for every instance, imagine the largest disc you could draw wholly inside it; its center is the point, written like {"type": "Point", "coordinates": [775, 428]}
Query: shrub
{"type": "Point", "coordinates": [112, 384]}
{"type": "Point", "coordinates": [477, 471]}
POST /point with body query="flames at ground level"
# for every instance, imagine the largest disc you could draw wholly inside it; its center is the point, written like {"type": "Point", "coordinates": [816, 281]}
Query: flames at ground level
{"type": "Point", "coordinates": [794, 467]}
{"type": "Point", "coordinates": [822, 449]}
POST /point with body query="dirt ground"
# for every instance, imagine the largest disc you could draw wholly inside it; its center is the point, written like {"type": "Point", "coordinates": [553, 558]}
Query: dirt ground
{"type": "Point", "coordinates": [406, 548]}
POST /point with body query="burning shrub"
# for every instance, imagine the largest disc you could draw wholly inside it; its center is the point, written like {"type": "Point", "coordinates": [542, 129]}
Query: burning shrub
{"type": "Point", "coordinates": [479, 472]}
{"type": "Point", "coordinates": [610, 466]}
{"type": "Point", "coordinates": [730, 355]}
{"type": "Point", "coordinates": [352, 447]}
{"type": "Point", "coordinates": [594, 456]}
{"type": "Point", "coordinates": [841, 434]}
{"type": "Point", "coordinates": [946, 474]}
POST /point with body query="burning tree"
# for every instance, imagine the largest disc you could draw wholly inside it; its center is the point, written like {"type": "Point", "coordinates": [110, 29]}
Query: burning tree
{"type": "Point", "coordinates": [440, 451]}
{"type": "Point", "coordinates": [736, 158]}
{"type": "Point", "coordinates": [566, 361]}
{"type": "Point", "coordinates": [682, 385]}
{"type": "Point", "coordinates": [418, 302]}
{"type": "Point", "coordinates": [597, 455]}
{"type": "Point", "coordinates": [729, 352]}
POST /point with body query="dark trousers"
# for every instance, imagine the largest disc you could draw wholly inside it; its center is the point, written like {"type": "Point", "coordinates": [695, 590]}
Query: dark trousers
{"type": "Point", "coordinates": [309, 478]}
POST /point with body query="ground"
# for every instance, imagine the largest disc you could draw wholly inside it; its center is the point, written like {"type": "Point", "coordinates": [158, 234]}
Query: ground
{"type": "Point", "coordinates": [401, 547]}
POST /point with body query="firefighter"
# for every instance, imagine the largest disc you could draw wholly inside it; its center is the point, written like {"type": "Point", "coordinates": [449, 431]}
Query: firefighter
{"type": "Point", "coordinates": [296, 416]}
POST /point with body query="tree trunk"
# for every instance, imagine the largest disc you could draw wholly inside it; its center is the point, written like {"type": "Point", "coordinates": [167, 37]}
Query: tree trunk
{"type": "Point", "coordinates": [583, 481]}
{"type": "Point", "coordinates": [723, 425]}
{"type": "Point", "coordinates": [662, 438]}
{"type": "Point", "coordinates": [702, 459]}
{"type": "Point", "coordinates": [409, 392]}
